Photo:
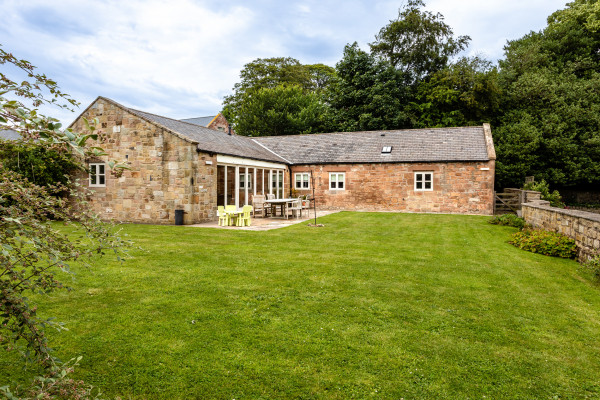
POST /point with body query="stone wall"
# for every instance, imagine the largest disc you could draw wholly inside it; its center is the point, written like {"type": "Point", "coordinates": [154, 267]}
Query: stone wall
{"type": "Point", "coordinates": [582, 226]}
{"type": "Point", "coordinates": [166, 172]}
{"type": "Point", "coordinates": [458, 187]}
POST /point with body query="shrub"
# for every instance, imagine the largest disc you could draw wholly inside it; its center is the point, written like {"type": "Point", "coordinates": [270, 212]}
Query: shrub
{"type": "Point", "coordinates": [545, 242]}
{"type": "Point", "coordinates": [593, 265]}
{"type": "Point", "coordinates": [508, 220]}
{"type": "Point", "coordinates": [542, 186]}
{"type": "Point", "coordinates": [41, 163]}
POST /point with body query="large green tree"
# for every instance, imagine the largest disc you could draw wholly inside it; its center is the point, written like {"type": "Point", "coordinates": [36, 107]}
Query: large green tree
{"type": "Point", "coordinates": [418, 42]}
{"type": "Point", "coordinates": [464, 93]}
{"type": "Point", "coordinates": [550, 125]}
{"type": "Point", "coordinates": [282, 110]}
{"type": "Point", "coordinates": [269, 73]}
{"type": "Point", "coordinates": [367, 93]}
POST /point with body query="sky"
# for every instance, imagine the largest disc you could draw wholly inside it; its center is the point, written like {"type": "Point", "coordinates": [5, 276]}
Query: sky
{"type": "Point", "coordinates": [179, 58]}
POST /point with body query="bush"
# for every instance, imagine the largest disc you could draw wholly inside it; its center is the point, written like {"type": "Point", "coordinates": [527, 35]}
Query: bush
{"type": "Point", "coordinates": [508, 220]}
{"type": "Point", "coordinates": [545, 242]}
{"type": "Point", "coordinates": [41, 163]}
{"type": "Point", "coordinates": [594, 266]}
{"type": "Point", "coordinates": [542, 186]}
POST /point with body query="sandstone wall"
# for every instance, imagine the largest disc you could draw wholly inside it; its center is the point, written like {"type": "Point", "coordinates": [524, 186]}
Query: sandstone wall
{"type": "Point", "coordinates": [166, 171]}
{"type": "Point", "coordinates": [458, 187]}
{"type": "Point", "coordinates": [582, 226]}
{"type": "Point", "coordinates": [220, 124]}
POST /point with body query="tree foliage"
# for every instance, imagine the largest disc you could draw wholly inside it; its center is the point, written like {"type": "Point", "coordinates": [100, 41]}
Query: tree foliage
{"type": "Point", "coordinates": [32, 250]}
{"type": "Point", "coordinates": [269, 73]}
{"type": "Point", "coordinates": [462, 94]}
{"type": "Point", "coordinates": [551, 83]}
{"type": "Point", "coordinates": [282, 110]}
{"type": "Point", "coordinates": [418, 42]}
{"type": "Point", "coordinates": [367, 93]}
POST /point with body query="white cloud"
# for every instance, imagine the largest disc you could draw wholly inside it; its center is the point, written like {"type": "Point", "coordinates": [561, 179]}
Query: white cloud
{"type": "Point", "coordinates": [179, 58]}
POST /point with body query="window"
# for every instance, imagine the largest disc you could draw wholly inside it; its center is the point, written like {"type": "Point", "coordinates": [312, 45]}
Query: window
{"type": "Point", "coordinates": [98, 175]}
{"type": "Point", "coordinates": [302, 180]}
{"type": "Point", "coordinates": [243, 181]}
{"type": "Point", "coordinates": [423, 181]}
{"type": "Point", "coordinates": [337, 180]}
{"type": "Point", "coordinates": [386, 149]}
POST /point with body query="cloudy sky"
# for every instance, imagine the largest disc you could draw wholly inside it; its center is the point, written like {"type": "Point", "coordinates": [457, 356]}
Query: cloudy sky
{"type": "Point", "coordinates": [178, 58]}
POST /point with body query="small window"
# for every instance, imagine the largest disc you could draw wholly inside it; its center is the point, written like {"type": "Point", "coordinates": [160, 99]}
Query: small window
{"type": "Point", "coordinates": [337, 180]}
{"type": "Point", "coordinates": [386, 150]}
{"type": "Point", "coordinates": [423, 181]}
{"type": "Point", "coordinates": [243, 181]}
{"type": "Point", "coordinates": [97, 175]}
{"type": "Point", "coordinates": [302, 181]}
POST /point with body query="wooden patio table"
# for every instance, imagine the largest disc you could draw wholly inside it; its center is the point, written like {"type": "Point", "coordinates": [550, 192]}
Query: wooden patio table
{"type": "Point", "coordinates": [280, 202]}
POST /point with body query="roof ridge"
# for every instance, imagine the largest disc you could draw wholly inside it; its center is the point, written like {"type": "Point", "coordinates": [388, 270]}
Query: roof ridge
{"type": "Point", "coordinates": [374, 131]}
{"type": "Point", "coordinates": [268, 149]}
{"type": "Point", "coordinates": [172, 119]}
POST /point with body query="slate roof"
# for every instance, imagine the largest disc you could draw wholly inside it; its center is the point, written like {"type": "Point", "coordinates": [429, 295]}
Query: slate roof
{"type": "Point", "coordinates": [9, 134]}
{"type": "Point", "coordinates": [411, 145]}
{"type": "Point", "coordinates": [202, 121]}
{"type": "Point", "coordinates": [212, 141]}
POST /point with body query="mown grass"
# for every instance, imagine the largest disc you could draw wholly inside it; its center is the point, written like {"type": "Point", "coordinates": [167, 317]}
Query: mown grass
{"type": "Point", "coordinates": [373, 305]}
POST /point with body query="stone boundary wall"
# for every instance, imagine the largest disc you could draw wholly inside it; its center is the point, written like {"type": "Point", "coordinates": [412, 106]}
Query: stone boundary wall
{"type": "Point", "coordinates": [582, 226]}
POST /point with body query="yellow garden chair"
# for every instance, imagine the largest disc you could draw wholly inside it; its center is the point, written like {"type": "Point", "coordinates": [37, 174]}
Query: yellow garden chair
{"type": "Point", "coordinates": [231, 218]}
{"type": "Point", "coordinates": [244, 218]}
{"type": "Point", "coordinates": [223, 217]}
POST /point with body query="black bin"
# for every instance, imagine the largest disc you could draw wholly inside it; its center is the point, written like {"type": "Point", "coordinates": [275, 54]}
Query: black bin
{"type": "Point", "coordinates": [178, 217]}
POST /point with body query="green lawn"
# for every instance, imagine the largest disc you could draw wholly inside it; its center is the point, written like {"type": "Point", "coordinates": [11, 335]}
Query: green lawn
{"type": "Point", "coordinates": [373, 305]}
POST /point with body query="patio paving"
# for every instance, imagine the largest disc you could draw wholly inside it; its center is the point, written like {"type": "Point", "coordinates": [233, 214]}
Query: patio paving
{"type": "Point", "coordinates": [264, 224]}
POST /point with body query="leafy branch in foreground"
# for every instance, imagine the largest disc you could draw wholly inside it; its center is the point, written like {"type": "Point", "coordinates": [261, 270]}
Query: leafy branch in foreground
{"type": "Point", "coordinates": [33, 250]}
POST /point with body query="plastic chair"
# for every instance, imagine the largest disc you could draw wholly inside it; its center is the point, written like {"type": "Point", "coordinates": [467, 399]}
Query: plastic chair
{"type": "Point", "coordinates": [223, 217]}
{"type": "Point", "coordinates": [244, 218]}
{"type": "Point", "coordinates": [231, 217]}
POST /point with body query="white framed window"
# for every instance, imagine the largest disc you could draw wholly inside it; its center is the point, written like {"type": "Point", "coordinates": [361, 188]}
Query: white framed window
{"type": "Point", "coordinates": [97, 175]}
{"type": "Point", "coordinates": [302, 180]}
{"type": "Point", "coordinates": [423, 181]}
{"type": "Point", "coordinates": [337, 180]}
{"type": "Point", "coordinates": [243, 181]}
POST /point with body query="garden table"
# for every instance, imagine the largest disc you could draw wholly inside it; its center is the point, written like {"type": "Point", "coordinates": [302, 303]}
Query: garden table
{"type": "Point", "coordinates": [282, 203]}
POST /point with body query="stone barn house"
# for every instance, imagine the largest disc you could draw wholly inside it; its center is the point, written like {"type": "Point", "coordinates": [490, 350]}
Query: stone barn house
{"type": "Point", "coordinates": [183, 165]}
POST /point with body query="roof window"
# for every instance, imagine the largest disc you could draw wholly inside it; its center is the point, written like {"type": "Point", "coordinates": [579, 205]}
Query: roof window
{"type": "Point", "coordinates": [386, 150]}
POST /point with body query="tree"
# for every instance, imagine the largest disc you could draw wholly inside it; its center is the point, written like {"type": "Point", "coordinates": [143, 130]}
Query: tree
{"type": "Point", "coordinates": [367, 93]}
{"type": "Point", "coordinates": [551, 120]}
{"type": "Point", "coordinates": [32, 250]}
{"type": "Point", "coordinates": [418, 43]}
{"type": "Point", "coordinates": [282, 110]}
{"type": "Point", "coordinates": [268, 73]}
{"type": "Point", "coordinates": [464, 93]}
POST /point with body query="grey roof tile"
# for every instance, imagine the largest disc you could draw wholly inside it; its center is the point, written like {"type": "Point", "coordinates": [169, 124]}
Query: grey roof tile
{"type": "Point", "coordinates": [9, 134]}
{"type": "Point", "coordinates": [202, 121]}
{"type": "Point", "coordinates": [410, 145]}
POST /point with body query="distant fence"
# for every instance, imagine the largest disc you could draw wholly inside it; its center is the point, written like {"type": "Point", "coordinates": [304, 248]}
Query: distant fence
{"type": "Point", "coordinates": [582, 226]}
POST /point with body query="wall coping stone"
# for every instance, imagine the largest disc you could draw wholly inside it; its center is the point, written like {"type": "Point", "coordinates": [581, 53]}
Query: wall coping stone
{"type": "Point", "coordinates": [573, 213]}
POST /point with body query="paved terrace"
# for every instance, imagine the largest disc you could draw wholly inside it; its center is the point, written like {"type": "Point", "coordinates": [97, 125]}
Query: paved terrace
{"type": "Point", "coordinates": [265, 224]}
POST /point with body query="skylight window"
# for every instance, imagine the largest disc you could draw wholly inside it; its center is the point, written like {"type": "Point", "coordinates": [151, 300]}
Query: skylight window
{"type": "Point", "coordinates": [386, 150]}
